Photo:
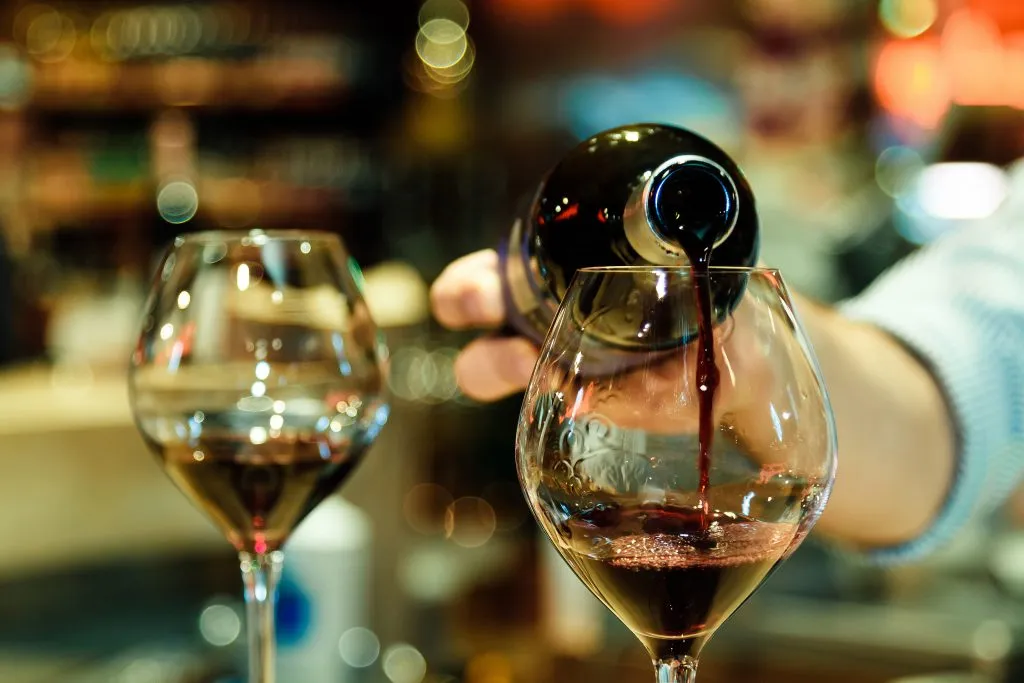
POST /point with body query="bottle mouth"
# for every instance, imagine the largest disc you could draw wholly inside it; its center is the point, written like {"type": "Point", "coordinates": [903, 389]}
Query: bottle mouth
{"type": "Point", "coordinates": [686, 204]}
{"type": "Point", "coordinates": [692, 200]}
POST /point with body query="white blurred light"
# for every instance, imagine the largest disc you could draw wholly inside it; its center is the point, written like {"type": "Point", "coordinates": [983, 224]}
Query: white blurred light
{"type": "Point", "coordinates": [961, 190]}
{"type": "Point", "coordinates": [276, 421]}
{"type": "Point", "coordinates": [258, 389]}
{"type": "Point", "coordinates": [305, 247]}
{"type": "Point", "coordinates": [359, 647]}
{"type": "Point", "coordinates": [457, 72]}
{"type": "Point", "coordinates": [404, 664]}
{"type": "Point", "coordinates": [166, 331]}
{"type": "Point", "coordinates": [262, 370]}
{"type": "Point", "coordinates": [258, 435]}
{"type": "Point", "coordinates": [184, 298]}
{"type": "Point", "coordinates": [279, 406]}
{"type": "Point", "coordinates": [441, 43]}
{"type": "Point", "coordinates": [219, 625]}
{"type": "Point", "coordinates": [453, 10]}
{"type": "Point", "coordinates": [242, 277]}
{"type": "Point", "coordinates": [177, 202]}
{"type": "Point", "coordinates": [446, 385]}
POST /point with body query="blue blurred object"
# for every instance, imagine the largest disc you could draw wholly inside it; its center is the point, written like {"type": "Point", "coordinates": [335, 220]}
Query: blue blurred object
{"type": "Point", "coordinates": [293, 612]}
{"type": "Point", "coordinates": [595, 103]}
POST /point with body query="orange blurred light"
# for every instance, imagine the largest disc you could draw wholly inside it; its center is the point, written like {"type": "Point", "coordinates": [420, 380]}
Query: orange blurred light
{"type": "Point", "coordinates": [1013, 70]}
{"type": "Point", "coordinates": [972, 63]}
{"type": "Point", "coordinates": [910, 82]}
{"type": "Point", "coordinates": [1007, 14]}
{"type": "Point", "coordinates": [973, 56]}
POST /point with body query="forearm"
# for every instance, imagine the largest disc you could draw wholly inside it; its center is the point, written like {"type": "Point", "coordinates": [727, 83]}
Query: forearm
{"type": "Point", "coordinates": [896, 439]}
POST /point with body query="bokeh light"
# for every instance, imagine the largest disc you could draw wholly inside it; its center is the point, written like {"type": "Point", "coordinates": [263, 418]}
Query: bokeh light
{"type": "Point", "coordinates": [911, 82]}
{"type": "Point", "coordinates": [404, 664]}
{"type": "Point", "coordinates": [359, 647]}
{"type": "Point", "coordinates": [907, 18]}
{"type": "Point", "coordinates": [177, 202]}
{"type": "Point", "coordinates": [961, 191]}
{"type": "Point", "coordinates": [441, 43]}
{"type": "Point", "coordinates": [896, 169]}
{"type": "Point", "coordinates": [48, 34]}
{"type": "Point", "coordinates": [220, 625]}
{"type": "Point", "coordinates": [444, 53]}
{"type": "Point", "coordinates": [423, 376]}
{"type": "Point", "coordinates": [470, 522]}
{"type": "Point", "coordinates": [258, 435]}
{"type": "Point", "coordinates": [452, 10]}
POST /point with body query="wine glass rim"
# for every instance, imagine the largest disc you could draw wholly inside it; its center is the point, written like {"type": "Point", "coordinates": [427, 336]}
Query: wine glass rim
{"type": "Point", "coordinates": [683, 270]}
{"type": "Point", "coordinates": [285, 235]}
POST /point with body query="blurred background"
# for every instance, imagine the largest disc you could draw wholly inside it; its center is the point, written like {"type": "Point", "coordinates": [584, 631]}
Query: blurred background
{"type": "Point", "coordinates": [413, 129]}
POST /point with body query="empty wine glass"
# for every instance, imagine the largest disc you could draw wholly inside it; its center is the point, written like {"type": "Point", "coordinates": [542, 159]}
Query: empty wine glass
{"type": "Point", "coordinates": [609, 446]}
{"type": "Point", "coordinates": [258, 381]}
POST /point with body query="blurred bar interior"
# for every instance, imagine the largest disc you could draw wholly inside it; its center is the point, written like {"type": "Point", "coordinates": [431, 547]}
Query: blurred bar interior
{"type": "Point", "coordinates": [413, 129]}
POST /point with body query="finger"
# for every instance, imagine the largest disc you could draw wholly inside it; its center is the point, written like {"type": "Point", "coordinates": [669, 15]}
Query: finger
{"type": "Point", "coordinates": [468, 292]}
{"type": "Point", "coordinates": [492, 368]}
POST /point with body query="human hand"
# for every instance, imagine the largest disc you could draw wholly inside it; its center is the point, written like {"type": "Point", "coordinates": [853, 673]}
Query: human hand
{"type": "Point", "coordinates": [467, 295]}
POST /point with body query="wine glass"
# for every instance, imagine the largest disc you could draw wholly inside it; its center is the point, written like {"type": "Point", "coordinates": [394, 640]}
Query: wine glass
{"type": "Point", "coordinates": [674, 452]}
{"type": "Point", "coordinates": [258, 381]}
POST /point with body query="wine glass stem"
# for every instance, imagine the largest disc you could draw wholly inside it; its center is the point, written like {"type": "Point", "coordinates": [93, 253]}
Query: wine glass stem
{"type": "Point", "coordinates": [676, 670]}
{"type": "Point", "coordinates": [260, 573]}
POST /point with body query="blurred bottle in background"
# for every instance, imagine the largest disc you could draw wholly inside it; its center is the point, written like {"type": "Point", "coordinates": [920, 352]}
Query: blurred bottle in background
{"type": "Point", "coordinates": [323, 608]}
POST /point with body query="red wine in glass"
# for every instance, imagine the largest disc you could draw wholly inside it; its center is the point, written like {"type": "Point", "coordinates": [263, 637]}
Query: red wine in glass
{"type": "Point", "coordinates": [673, 485]}
{"type": "Point", "coordinates": [674, 574]}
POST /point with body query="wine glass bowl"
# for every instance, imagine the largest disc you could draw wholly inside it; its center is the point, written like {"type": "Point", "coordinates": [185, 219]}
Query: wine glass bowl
{"type": "Point", "coordinates": [609, 446]}
{"type": "Point", "coordinates": [258, 381]}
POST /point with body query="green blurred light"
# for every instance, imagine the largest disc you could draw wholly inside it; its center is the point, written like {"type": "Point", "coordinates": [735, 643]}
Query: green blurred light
{"type": "Point", "coordinates": [907, 18]}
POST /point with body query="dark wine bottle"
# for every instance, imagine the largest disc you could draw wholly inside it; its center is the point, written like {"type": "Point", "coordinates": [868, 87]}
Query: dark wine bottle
{"type": "Point", "coordinates": [643, 194]}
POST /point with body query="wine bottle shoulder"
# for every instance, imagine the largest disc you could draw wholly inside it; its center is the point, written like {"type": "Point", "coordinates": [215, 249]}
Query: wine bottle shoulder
{"type": "Point", "coordinates": [576, 219]}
